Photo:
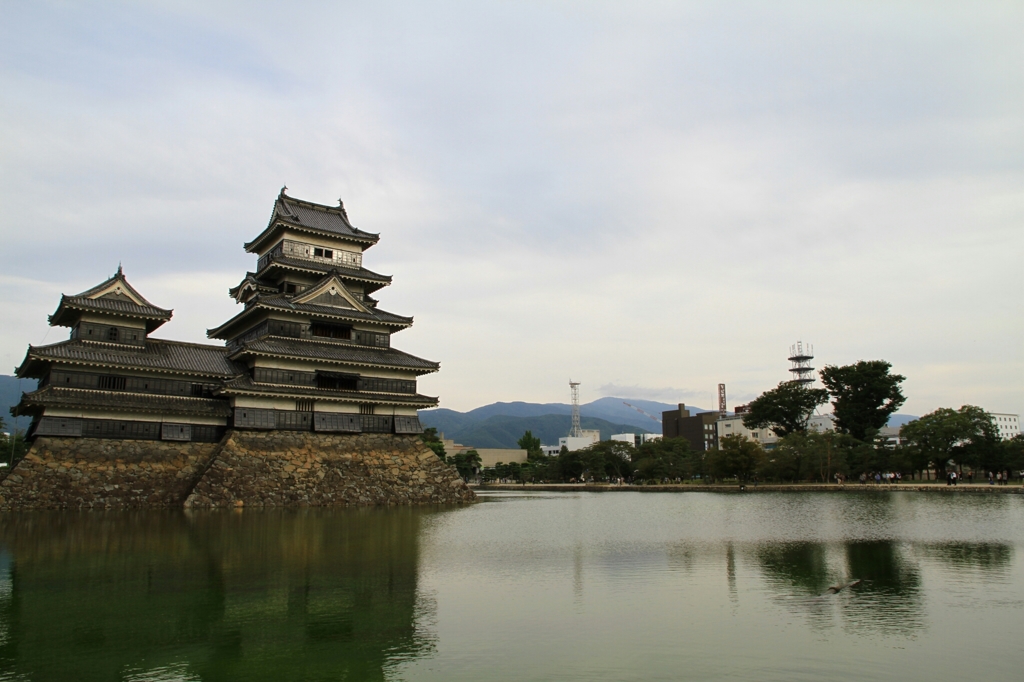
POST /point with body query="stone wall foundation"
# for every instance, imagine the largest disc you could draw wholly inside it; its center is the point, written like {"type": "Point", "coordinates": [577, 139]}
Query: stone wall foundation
{"type": "Point", "coordinates": [99, 473]}
{"type": "Point", "coordinates": [299, 469]}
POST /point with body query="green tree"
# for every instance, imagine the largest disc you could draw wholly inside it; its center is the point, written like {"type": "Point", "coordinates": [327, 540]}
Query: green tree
{"type": "Point", "coordinates": [964, 436]}
{"type": "Point", "coordinates": [1012, 453]}
{"type": "Point", "coordinates": [13, 447]}
{"type": "Point", "coordinates": [466, 463]}
{"type": "Point", "coordinates": [608, 459]}
{"type": "Point", "coordinates": [531, 444]}
{"type": "Point", "coordinates": [429, 436]}
{"type": "Point", "coordinates": [666, 458]}
{"type": "Point", "coordinates": [785, 409]}
{"type": "Point", "coordinates": [809, 456]}
{"type": "Point", "coordinates": [737, 457]}
{"type": "Point", "coordinates": [864, 395]}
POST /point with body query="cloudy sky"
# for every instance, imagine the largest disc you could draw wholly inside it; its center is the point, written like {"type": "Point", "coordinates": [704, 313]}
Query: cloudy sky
{"type": "Point", "coordinates": [647, 197]}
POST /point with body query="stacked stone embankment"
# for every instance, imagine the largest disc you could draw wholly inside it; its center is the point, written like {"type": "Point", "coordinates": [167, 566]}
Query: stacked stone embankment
{"type": "Point", "coordinates": [247, 468]}
{"type": "Point", "coordinates": [97, 473]}
{"type": "Point", "coordinates": [297, 469]}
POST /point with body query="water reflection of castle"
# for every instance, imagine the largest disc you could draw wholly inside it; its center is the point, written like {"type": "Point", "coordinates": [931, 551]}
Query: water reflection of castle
{"type": "Point", "coordinates": [259, 596]}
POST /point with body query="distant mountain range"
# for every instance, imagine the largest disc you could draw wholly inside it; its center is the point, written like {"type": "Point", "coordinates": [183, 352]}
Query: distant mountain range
{"type": "Point", "coordinates": [502, 431]}
{"type": "Point", "coordinates": [500, 425]}
{"type": "Point", "coordinates": [613, 410]}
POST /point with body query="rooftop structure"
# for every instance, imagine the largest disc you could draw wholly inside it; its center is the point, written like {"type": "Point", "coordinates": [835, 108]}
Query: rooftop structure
{"type": "Point", "coordinates": [800, 358]}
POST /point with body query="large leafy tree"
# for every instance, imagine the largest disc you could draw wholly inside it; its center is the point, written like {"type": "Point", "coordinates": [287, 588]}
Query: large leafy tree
{"type": "Point", "coordinates": [429, 437]}
{"type": "Point", "coordinates": [737, 457]}
{"type": "Point", "coordinates": [605, 460]}
{"type": "Point", "coordinates": [666, 458]}
{"type": "Point", "coordinates": [785, 409]}
{"type": "Point", "coordinates": [864, 395]}
{"type": "Point", "coordinates": [806, 456]}
{"type": "Point", "coordinates": [964, 436]}
{"type": "Point", "coordinates": [466, 463]}
{"type": "Point", "coordinates": [531, 444]}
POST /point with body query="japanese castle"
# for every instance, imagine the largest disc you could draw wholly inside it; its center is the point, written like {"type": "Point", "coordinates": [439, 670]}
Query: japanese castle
{"type": "Point", "coordinates": [308, 351]}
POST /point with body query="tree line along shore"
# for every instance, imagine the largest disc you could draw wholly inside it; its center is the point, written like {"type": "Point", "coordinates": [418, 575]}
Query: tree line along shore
{"type": "Point", "coordinates": [949, 446]}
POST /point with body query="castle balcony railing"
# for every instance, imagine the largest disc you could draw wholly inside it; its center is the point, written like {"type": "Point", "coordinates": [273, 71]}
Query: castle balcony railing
{"type": "Point", "coordinates": [288, 248]}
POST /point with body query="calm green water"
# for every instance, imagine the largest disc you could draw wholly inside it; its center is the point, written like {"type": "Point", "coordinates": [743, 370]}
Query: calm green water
{"type": "Point", "coordinates": [546, 586]}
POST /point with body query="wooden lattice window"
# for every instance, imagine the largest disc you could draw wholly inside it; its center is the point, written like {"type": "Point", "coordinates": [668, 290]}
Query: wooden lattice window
{"type": "Point", "coordinates": [330, 331]}
{"type": "Point", "coordinates": [111, 383]}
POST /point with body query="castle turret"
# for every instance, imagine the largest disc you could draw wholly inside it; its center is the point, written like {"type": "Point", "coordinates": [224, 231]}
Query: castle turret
{"type": "Point", "coordinates": [315, 346]}
{"type": "Point", "coordinates": [111, 380]}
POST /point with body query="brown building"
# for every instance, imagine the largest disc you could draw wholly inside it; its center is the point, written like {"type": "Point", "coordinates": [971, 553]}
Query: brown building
{"type": "Point", "coordinates": [698, 429]}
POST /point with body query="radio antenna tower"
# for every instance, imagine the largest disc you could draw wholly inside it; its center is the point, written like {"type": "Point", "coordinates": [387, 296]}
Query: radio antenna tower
{"type": "Point", "coordinates": [800, 357]}
{"type": "Point", "coordinates": [576, 431]}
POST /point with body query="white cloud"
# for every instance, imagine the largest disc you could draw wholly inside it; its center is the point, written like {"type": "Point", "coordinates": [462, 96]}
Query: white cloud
{"type": "Point", "coordinates": [664, 195]}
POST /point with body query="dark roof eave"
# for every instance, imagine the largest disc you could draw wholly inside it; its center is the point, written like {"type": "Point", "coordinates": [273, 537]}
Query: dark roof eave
{"type": "Point", "coordinates": [419, 371]}
{"type": "Point", "coordinates": [37, 355]}
{"type": "Point", "coordinates": [334, 396]}
{"type": "Point", "coordinates": [250, 247]}
{"type": "Point", "coordinates": [219, 332]}
{"type": "Point", "coordinates": [58, 318]}
{"type": "Point", "coordinates": [141, 402]}
{"type": "Point", "coordinates": [124, 366]}
{"type": "Point", "coordinates": [344, 273]}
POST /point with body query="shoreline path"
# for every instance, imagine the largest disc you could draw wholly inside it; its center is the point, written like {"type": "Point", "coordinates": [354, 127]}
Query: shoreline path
{"type": "Point", "coordinates": [917, 486]}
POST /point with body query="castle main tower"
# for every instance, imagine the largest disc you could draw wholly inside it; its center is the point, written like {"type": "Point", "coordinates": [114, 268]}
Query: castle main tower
{"type": "Point", "coordinates": [315, 348]}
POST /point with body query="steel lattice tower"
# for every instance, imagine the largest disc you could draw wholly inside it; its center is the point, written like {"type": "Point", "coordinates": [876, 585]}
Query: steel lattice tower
{"type": "Point", "coordinates": [576, 431]}
{"type": "Point", "coordinates": [801, 357]}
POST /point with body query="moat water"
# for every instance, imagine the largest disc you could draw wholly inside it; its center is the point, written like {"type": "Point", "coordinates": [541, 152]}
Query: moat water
{"type": "Point", "coordinates": [541, 586]}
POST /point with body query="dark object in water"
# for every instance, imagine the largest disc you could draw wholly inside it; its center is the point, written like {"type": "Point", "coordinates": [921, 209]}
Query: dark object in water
{"type": "Point", "coordinates": [839, 588]}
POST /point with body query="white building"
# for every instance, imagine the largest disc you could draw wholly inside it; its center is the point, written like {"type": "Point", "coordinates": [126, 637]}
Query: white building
{"type": "Point", "coordinates": [890, 436]}
{"type": "Point", "coordinates": [732, 425]}
{"type": "Point", "coordinates": [574, 443]}
{"type": "Point", "coordinates": [636, 439]}
{"type": "Point", "coordinates": [1008, 425]}
{"type": "Point", "coordinates": [821, 423]}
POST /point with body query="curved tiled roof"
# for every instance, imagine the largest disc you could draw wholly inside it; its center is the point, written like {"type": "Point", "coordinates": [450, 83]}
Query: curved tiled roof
{"type": "Point", "coordinates": [306, 215]}
{"type": "Point", "coordinates": [284, 302]}
{"type": "Point", "coordinates": [123, 301]}
{"type": "Point", "coordinates": [341, 353]}
{"type": "Point", "coordinates": [157, 354]}
{"type": "Point", "coordinates": [375, 315]}
{"type": "Point", "coordinates": [121, 305]}
{"type": "Point", "coordinates": [51, 396]}
{"type": "Point", "coordinates": [325, 268]}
